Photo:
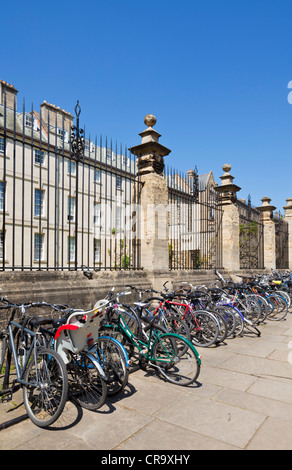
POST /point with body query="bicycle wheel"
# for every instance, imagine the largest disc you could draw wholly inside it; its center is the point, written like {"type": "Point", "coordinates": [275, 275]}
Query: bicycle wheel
{"type": "Point", "coordinates": [175, 324]}
{"type": "Point", "coordinates": [249, 326]}
{"type": "Point", "coordinates": [113, 358]}
{"type": "Point", "coordinates": [176, 359]}
{"type": "Point", "coordinates": [222, 334]}
{"type": "Point", "coordinates": [280, 307]}
{"type": "Point", "coordinates": [204, 328]}
{"type": "Point", "coordinates": [285, 296]}
{"type": "Point", "coordinates": [229, 318]}
{"type": "Point", "coordinates": [239, 327]}
{"type": "Point", "coordinates": [250, 309]}
{"type": "Point", "coordinates": [46, 393]}
{"type": "Point", "coordinates": [86, 386]}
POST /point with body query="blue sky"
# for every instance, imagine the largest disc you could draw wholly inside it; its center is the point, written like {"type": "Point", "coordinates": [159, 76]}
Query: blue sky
{"type": "Point", "coordinates": [214, 73]}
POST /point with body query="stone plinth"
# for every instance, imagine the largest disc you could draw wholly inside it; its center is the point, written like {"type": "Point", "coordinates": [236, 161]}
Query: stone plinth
{"type": "Point", "coordinates": [266, 210]}
{"type": "Point", "coordinates": [153, 199]}
{"type": "Point", "coordinates": [230, 221]}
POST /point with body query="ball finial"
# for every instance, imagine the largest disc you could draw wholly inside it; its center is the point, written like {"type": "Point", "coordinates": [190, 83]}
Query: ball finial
{"type": "Point", "coordinates": [226, 167]}
{"type": "Point", "coordinates": [150, 120]}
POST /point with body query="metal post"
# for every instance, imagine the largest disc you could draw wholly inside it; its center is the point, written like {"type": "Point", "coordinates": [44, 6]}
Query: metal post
{"type": "Point", "coordinates": [77, 149]}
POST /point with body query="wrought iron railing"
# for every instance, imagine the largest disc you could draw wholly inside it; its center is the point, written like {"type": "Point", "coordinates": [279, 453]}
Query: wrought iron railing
{"type": "Point", "coordinates": [65, 200]}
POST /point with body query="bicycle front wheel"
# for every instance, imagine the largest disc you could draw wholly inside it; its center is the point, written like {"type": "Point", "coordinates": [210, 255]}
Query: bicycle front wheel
{"type": "Point", "coordinates": [204, 328]}
{"type": "Point", "coordinates": [176, 359]}
{"type": "Point", "coordinates": [86, 386]}
{"type": "Point", "coordinates": [46, 391]}
{"type": "Point", "coordinates": [113, 358]}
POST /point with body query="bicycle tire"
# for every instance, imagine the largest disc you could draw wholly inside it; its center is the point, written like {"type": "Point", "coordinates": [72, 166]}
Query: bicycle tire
{"type": "Point", "coordinates": [113, 358]}
{"type": "Point", "coordinates": [176, 359]}
{"type": "Point", "coordinates": [46, 394]}
{"type": "Point", "coordinates": [249, 326]}
{"type": "Point", "coordinates": [204, 328]}
{"type": "Point", "coordinates": [223, 330]}
{"type": "Point", "coordinates": [280, 310]}
{"type": "Point", "coordinates": [249, 308]}
{"type": "Point", "coordinates": [86, 386]}
{"type": "Point", "coordinates": [285, 296]}
{"type": "Point", "coordinates": [175, 324]}
{"type": "Point", "coordinates": [229, 318]}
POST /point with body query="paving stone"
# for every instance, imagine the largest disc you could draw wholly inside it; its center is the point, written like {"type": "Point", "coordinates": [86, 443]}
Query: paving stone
{"type": "Point", "coordinates": [221, 377]}
{"type": "Point", "coordinates": [274, 434]}
{"type": "Point", "coordinates": [259, 404]}
{"type": "Point", "coordinates": [222, 422]}
{"type": "Point", "coordinates": [161, 435]}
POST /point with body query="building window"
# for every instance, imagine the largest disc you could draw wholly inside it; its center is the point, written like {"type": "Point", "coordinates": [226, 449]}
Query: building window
{"type": "Point", "coordinates": [96, 214]}
{"type": "Point", "coordinates": [2, 145]}
{"type": "Point", "coordinates": [39, 196]}
{"type": "Point", "coordinates": [96, 175]}
{"type": "Point", "coordinates": [1, 195]}
{"type": "Point", "coordinates": [119, 182]}
{"type": "Point", "coordinates": [88, 145]}
{"type": "Point", "coordinates": [71, 208]}
{"type": "Point", "coordinates": [97, 250]}
{"type": "Point", "coordinates": [62, 134]}
{"type": "Point", "coordinates": [125, 160]}
{"type": "Point", "coordinates": [39, 157]}
{"type": "Point", "coordinates": [28, 120]}
{"type": "Point", "coordinates": [72, 167]}
{"type": "Point", "coordinates": [38, 247]}
{"type": "Point", "coordinates": [71, 249]}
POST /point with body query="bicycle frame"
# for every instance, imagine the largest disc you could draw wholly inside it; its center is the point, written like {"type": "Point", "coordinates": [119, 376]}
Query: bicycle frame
{"type": "Point", "coordinates": [20, 371]}
{"type": "Point", "coordinates": [188, 309]}
{"type": "Point", "coordinates": [145, 348]}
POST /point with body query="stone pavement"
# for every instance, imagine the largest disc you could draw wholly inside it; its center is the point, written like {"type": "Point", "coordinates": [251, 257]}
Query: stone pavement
{"type": "Point", "coordinates": [243, 400]}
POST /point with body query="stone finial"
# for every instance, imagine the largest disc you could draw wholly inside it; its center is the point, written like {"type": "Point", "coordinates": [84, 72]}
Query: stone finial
{"type": "Point", "coordinates": [226, 167]}
{"type": "Point", "coordinates": [150, 152]}
{"type": "Point", "coordinates": [226, 178]}
{"type": "Point", "coordinates": [228, 189]}
{"type": "Point", "coordinates": [266, 208]}
{"type": "Point", "coordinates": [266, 201]}
{"type": "Point", "coordinates": [150, 120]}
{"type": "Point", "coordinates": [288, 207]}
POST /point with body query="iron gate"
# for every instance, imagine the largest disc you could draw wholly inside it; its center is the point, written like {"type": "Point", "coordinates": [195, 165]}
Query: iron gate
{"type": "Point", "coordinates": [195, 221]}
{"type": "Point", "coordinates": [251, 236]}
{"type": "Point", "coordinates": [282, 239]}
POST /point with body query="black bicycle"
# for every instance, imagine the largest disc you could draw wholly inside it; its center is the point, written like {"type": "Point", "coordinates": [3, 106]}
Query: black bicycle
{"type": "Point", "coordinates": [40, 371]}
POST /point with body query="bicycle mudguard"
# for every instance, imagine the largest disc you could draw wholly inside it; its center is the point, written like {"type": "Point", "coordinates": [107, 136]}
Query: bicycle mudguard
{"type": "Point", "coordinates": [98, 366]}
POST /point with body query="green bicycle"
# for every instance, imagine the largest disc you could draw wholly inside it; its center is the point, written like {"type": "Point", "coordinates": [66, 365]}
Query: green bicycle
{"type": "Point", "coordinates": [172, 355]}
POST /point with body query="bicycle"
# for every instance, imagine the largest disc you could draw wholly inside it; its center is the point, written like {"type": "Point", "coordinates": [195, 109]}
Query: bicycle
{"type": "Point", "coordinates": [40, 372]}
{"type": "Point", "coordinates": [109, 353]}
{"type": "Point", "coordinates": [203, 325]}
{"type": "Point", "coordinates": [172, 355]}
{"type": "Point", "coordinates": [166, 317]}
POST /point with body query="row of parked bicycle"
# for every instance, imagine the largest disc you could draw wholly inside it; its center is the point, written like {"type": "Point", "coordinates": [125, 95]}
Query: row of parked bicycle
{"type": "Point", "coordinates": [87, 355]}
